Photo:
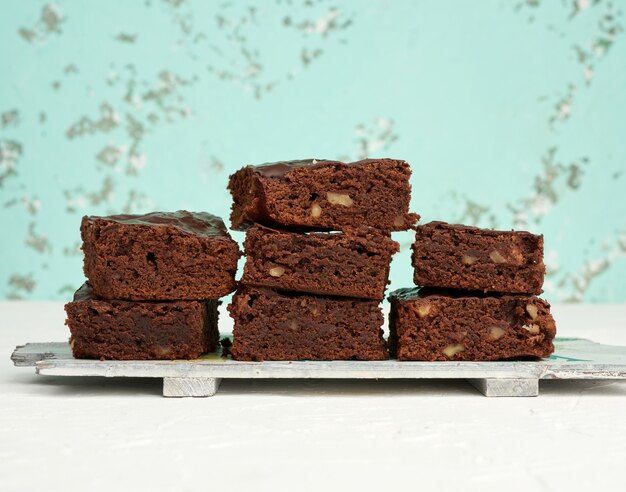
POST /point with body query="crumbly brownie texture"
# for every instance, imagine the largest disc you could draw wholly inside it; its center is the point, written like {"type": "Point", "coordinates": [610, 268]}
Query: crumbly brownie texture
{"type": "Point", "coordinates": [352, 264]}
{"type": "Point", "coordinates": [426, 324]}
{"type": "Point", "coordinates": [276, 326]}
{"type": "Point", "coordinates": [126, 330]}
{"type": "Point", "coordinates": [159, 256]}
{"type": "Point", "coordinates": [457, 256]}
{"type": "Point", "coordinates": [320, 194]}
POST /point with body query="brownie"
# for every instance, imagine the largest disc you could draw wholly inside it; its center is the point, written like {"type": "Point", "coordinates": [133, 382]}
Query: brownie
{"type": "Point", "coordinates": [434, 324]}
{"type": "Point", "coordinates": [321, 194]}
{"type": "Point", "coordinates": [270, 325]}
{"type": "Point", "coordinates": [159, 256]}
{"type": "Point", "coordinates": [354, 264]}
{"type": "Point", "coordinates": [112, 329]}
{"type": "Point", "coordinates": [464, 257]}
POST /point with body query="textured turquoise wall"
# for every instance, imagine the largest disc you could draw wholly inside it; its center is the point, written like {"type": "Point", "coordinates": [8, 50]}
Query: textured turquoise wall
{"type": "Point", "coordinates": [511, 113]}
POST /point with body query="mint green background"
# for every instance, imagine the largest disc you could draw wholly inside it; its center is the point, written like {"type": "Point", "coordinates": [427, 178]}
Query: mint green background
{"type": "Point", "coordinates": [510, 113]}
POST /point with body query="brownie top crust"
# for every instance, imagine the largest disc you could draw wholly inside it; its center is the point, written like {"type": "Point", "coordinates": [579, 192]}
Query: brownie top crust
{"type": "Point", "coordinates": [280, 169]}
{"type": "Point", "coordinates": [473, 230]}
{"type": "Point", "coordinates": [194, 223]}
{"type": "Point", "coordinates": [268, 292]}
{"type": "Point", "coordinates": [374, 240]}
{"type": "Point", "coordinates": [255, 290]}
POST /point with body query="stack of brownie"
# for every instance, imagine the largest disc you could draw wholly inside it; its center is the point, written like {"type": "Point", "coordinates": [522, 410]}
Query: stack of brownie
{"type": "Point", "coordinates": [477, 298]}
{"type": "Point", "coordinates": [318, 249]}
{"type": "Point", "coordinates": [153, 286]}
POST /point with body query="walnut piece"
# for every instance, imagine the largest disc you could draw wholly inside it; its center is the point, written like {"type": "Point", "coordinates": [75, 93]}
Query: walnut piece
{"type": "Point", "coordinates": [339, 199]}
{"type": "Point", "coordinates": [316, 210]}
{"type": "Point", "coordinates": [423, 310]}
{"type": "Point", "coordinates": [496, 333]}
{"type": "Point", "coordinates": [277, 271]}
{"type": "Point", "coordinates": [516, 256]}
{"type": "Point", "coordinates": [469, 259]}
{"type": "Point", "coordinates": [293, 326]}
{"type": "Point", "coordinates": [452, 350]}
{"type": "Point", "coordinates": [497, 257]}
{"type": "Point", "coordinates": [163, 350]}
{"type": "Point", "coordinates": [531, 309]}
{"type": "Point", "coordinates": [533, 328]}
{"type": "Point", "coordinates": [398, 221]}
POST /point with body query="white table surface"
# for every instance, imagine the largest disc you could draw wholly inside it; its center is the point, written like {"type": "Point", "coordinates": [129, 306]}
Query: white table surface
{"type": "Point", "coordinates": [119, 434]}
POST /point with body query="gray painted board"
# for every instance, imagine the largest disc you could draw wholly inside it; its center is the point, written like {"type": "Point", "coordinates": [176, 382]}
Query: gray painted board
{"type": "Point", "coordinates": [574, 358]}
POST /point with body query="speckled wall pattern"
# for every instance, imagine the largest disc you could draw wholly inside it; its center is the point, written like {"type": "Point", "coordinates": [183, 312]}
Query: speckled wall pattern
{"type": "Point", "coordinates": [510, 112]}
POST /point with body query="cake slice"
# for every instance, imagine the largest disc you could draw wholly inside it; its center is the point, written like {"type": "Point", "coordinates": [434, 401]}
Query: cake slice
{"type": "Point", "coordinates": [429, 324]}
{"type": "Point", "coordinates": [112, 329]}
{"type": "Point", "coordinates": [464, 257]}
{"type": "Point", "coordinates": [159, 256]}
{"type": "Point", "coordinates": [320, 194]}
{"type": "Point", "coordinates": [354, 264]}
{"type": "Point", "coordinates": [275, 326]}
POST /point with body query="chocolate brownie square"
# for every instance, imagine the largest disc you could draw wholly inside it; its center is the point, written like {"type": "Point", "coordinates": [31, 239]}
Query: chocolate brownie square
{"type": "Point", "coordinates": [354, 264]}
{"type": "Point", "coordinates": [464, 257]}
{"type": "Point", "coordinates": [159, 256]}
{"type": "Point", "coordinates": [112, 329]}
{"type": "Point", "coordinates": [270, 325]}
{"type": "Point", "coordinates": [431, 324]}
{"type": "Point", "coordinates": [320, 194]}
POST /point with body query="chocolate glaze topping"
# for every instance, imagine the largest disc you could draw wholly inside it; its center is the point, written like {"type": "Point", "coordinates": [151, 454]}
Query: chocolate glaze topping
{"type": "Point", "coordinates": [196, 223]}
{"type": "Point", "coordinates": [461, 227]}
{"type": "Point", "coordinates": [280, 169]}
{"type": "Point", "coordinates": [408, 293]}
{"type": "Point", "coordinates": [85, 293]}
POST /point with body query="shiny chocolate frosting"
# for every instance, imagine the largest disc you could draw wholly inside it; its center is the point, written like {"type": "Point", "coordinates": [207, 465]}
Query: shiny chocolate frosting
{"type": "Point", "coordinates": [196, 223]}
